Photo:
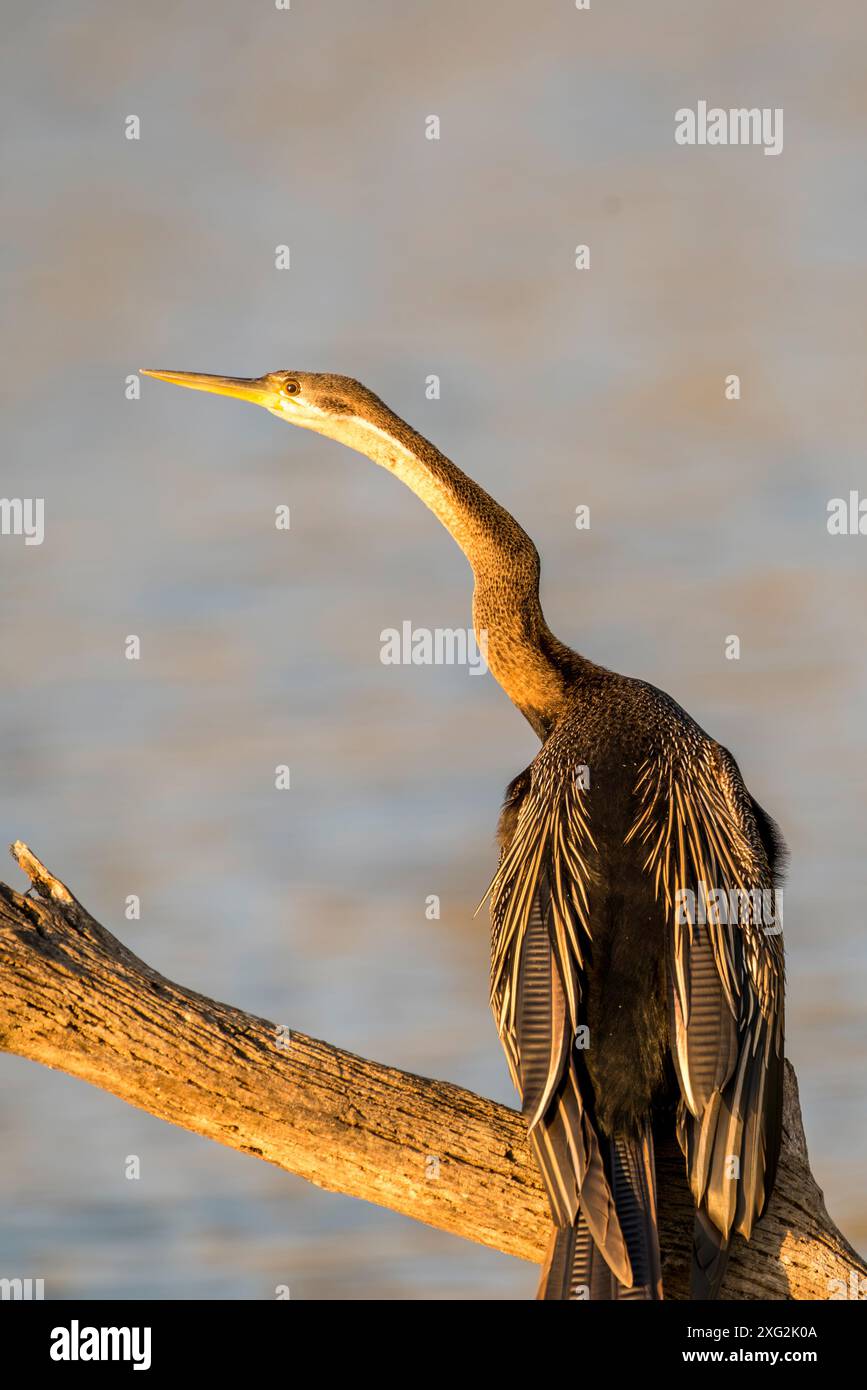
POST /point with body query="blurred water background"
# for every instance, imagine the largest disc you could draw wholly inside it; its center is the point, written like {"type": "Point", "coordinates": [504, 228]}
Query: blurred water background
{"type": "Point", "coordinates": [409, 257]}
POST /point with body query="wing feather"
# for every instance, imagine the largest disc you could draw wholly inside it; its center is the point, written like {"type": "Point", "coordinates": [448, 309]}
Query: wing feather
{"type": "Point", "coordinates": [706, 853]}
{"type": "Point", "coordinates": [540, 931]}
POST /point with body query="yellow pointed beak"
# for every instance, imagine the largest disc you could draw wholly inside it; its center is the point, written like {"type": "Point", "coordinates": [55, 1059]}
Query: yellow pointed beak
{"type": "Point", "coordinates": [257, 390]}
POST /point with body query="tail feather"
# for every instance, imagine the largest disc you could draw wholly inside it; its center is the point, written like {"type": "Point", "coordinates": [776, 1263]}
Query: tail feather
{"type": "Point", "coordinates": [634, 1186]}
{"type": "Point", "coordinates": [710, 1255]}
{"type": "Point", "coordinates": [576, 1269]}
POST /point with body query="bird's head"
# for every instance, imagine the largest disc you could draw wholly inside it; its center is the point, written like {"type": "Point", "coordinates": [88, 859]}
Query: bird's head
{"type": "Point", "coordinates": [317, 401]}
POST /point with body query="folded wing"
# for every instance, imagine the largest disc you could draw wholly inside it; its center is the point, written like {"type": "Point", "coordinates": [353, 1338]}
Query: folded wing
{"type": "Point", "coordinates": [711, 865]}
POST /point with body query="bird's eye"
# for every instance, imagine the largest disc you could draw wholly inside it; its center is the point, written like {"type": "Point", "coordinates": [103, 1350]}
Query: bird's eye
{"type": "Point", "coordinates": [291, 388]}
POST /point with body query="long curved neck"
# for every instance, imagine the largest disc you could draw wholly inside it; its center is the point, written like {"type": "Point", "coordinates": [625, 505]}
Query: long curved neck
{"type": "Point", "coordinates": [526, 659]}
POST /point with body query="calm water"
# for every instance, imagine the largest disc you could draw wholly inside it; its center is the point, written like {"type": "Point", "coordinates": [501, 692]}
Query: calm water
{"type": "Point", "coordinates": [260, 647]}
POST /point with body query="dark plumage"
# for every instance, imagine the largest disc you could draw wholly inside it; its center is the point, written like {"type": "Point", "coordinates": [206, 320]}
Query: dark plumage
{"type": "Point", "coordinates": [593, 877]}
{"type": "Point", "coordinates": [618, 997]}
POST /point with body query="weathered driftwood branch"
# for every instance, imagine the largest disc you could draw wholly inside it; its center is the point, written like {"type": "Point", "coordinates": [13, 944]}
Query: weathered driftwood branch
{"type": "Point", "coordinates": [74, 998]}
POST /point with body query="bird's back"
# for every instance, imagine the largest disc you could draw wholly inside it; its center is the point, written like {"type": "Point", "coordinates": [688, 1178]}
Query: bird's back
{"type": "Point", "coordinates": [614, 728]}
{"type": "Point", "coordinates": [628, 805]}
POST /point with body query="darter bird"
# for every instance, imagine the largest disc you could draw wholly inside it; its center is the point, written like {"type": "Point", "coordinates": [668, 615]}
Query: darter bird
{"type": "Point", "coordinates": [636, 968]}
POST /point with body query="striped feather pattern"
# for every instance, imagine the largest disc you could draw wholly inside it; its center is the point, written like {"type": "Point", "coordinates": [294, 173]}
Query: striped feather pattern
{"type": "Point", "coordinates": [696, 828]}
{"type": "Point", "coordinates": [540, 931]}
{"type": "Point", "coordinates": [726, 1000]}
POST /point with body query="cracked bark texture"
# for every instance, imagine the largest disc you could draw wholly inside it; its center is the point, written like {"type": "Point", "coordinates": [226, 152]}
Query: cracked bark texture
{"type": "Point", "coordinates": [72, 997]}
